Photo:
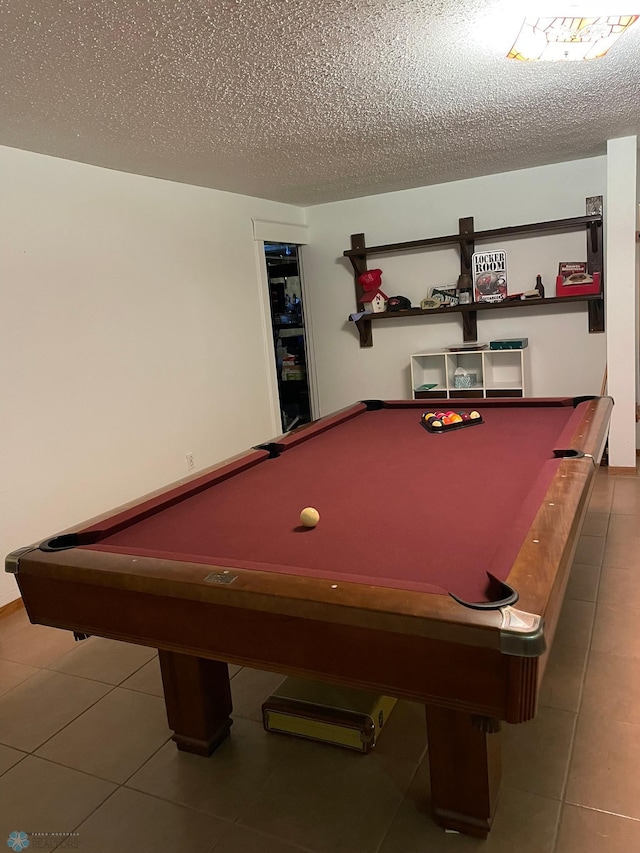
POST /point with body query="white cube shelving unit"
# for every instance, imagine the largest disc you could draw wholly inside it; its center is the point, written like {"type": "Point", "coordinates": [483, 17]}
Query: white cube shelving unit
{"type": "Point", "coordinates": [494, 373]}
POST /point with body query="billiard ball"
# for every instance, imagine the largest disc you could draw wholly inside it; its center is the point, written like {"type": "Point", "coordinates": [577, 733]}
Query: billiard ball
{"type": "Point", "coordinates": [309, 517]}
{"type": "Point", "coordinates": [474, 415]}
{"type": "Point", "coordinates": [436, 423]}
{"type": "Point", "coordinates": [464, 416]}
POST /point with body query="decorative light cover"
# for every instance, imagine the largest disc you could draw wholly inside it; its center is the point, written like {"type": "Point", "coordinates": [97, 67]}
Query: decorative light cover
{"type": "Point", "coordinates": [562, 39]}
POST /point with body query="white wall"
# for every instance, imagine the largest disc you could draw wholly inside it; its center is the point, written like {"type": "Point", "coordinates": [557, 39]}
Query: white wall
{"type": "Point", "coordinates": [622, 259]}
{"type": "Point", "coordinates": [131, 333]}
{"type": "Point", "coordinates": [565, 358]}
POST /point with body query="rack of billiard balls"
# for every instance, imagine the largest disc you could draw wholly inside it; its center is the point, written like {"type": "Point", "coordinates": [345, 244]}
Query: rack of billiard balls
{"type": "Point", "coordinates": [447, 421]}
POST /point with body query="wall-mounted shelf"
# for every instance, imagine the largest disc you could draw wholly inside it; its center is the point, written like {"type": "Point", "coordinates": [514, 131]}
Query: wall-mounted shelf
{"type": "Point", "coordinates": [466, 239]}
{"type": "Point", "coordinates": [468, 312]}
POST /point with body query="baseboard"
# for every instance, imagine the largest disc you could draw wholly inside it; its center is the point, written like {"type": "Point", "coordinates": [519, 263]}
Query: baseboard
{"type": "Point", "coordinates": [622, 472]}
{"type": "Point", "coordinates": [11, 607]}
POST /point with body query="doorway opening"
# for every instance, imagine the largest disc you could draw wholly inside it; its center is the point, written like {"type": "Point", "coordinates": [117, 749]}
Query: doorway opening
{"type": "Point", "coordinates": [288, 328]}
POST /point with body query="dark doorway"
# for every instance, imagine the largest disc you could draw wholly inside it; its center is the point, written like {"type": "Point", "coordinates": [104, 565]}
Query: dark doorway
{"type": "Point", "coordinates": [287, 322]}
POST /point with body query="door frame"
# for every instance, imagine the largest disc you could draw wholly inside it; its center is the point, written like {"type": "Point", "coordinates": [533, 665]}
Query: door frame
{"type": "Point", "coordinates": [298, 235]}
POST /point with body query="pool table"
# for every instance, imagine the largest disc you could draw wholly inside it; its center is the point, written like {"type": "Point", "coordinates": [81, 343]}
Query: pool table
{"type": "Point", "coordinates": [436, 572]}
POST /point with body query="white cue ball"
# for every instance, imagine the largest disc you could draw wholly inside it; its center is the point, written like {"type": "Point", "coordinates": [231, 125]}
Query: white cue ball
{"type": "Point", "coordinates": [309, 517]}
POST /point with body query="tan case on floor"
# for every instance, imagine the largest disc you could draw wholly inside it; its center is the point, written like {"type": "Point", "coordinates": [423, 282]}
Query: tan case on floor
{"type": "Point", "coordinates": [341, 716]}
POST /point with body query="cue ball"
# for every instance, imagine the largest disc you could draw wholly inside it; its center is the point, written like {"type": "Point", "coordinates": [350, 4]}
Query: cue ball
{"type": "Point", "coordinates": [309, 517]}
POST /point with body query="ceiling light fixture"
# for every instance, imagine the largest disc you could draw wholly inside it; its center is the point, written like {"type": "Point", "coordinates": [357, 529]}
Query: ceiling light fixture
{"type": "Point", "coordinates": [563, 39]}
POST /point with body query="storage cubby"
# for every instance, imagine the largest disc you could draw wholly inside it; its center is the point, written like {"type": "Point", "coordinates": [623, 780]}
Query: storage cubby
{"type": "Point", "coordinates": [493, 373]}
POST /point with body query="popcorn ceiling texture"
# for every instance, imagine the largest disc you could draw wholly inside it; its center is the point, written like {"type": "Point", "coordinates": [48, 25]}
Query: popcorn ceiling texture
{"type": "Point", "coordinates": [301, 101]}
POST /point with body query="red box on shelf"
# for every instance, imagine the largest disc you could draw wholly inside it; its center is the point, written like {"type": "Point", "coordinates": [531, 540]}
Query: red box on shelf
{"type": "Point", "coordinates": [565, 287]}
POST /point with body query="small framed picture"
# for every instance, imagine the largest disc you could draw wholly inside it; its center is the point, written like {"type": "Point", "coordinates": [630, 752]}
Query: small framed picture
{"type": "Point", "coordinates": [445, 294]}
{"type": "Point", "coordinates": [574, 272]}
{"type": "Point", "coordinates": [574, 279]}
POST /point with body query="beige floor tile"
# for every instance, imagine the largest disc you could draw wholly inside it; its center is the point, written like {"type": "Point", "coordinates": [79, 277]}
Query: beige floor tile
{"type": "Point", "coordinates": [590, 550]}
{"type": "Point", "coordinates": [524, 822]}
{"type": "Point", "coordinates": [36, 645]}
{"type": "Point", "coordinates": [603, 773]}
{"type": "Point", "coordinates": [588, 831]}
{"type": "Point", "coordinates": [602, 495]}
{"type": "Point", "coordinates": [249, 689]}
{"type": "Point", "coordinates": [620, 588]}
{"type": "Point", "coordinates": [612, 688]}
{"type": "Point", "coordinates": [405, 734]}
{"type": "Point", "coordinates": [38, 796]}
{"type": "Point", "coordinates": [113, 738]}
{"type": "Point", "coordinates": [622, 528]}
{"type": "Point", "coordinates": [623, 543]}
{"type": "Point", "coordinates": [223, 784]}
{"type": "Point", "coordinates": [563, 677]}
{"type": "Point", "coordinates": [626, 496]}
{"type": "Point", "coordinates": [133, 821]}
{"type": "Point", "coordinates": [329, 799]}
{"type": "Point", "coordinates": [9, 757]}
{"type": "Point", "coordinates": [535, 755]}
{"type": "Point", "coordinates": [147, 679]}
{"type": "Point", "coordinates": [583, 582]}
{"type": "Point", "coordinates": [241, 840]}
{"type": "Point", "coordinates": [35, 710]}
{"type": "Point", "coordinates": [13, 622]}
{"type": "Point", "coordinates": [12, 674]}
{"type": "Point", "coordinates": [575, 624]}
{"type": "Point", "coordinates": [104, 660]}
{"type": "Point", "coordinates": [595, 523]}
{"type": "Point", "coordinates": [616, 632]}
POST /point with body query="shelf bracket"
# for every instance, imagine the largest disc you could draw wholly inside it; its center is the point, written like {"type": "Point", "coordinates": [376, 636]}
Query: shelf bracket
{"type": "Point", "coordinates": [467, 247]}
{"type": "Point", "coordinates": [595, 262]}
{"type": "Point", "coordinates": [470, 326]}
{"type": "Point", "coordinates": [359, 264]}
{"type": "Point", "coordinates": [596, 315]}
{"type": "Point", "coordinates": [365, 331]}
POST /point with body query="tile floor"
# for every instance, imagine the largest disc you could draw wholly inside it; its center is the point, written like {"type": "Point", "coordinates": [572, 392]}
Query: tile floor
{"type": "Point", "coordinates": [84, 743]}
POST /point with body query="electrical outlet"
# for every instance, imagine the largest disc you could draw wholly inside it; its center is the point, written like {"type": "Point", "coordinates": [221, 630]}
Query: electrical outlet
{"type": "Point", "coordinates": [190, 462]}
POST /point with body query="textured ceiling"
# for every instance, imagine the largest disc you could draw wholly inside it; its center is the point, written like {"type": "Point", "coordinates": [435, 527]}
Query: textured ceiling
{"type": "Point", "coordinates": [303, 101]}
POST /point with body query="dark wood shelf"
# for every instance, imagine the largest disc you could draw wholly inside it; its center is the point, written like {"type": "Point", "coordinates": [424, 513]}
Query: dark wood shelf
{"type": "Point", "coordinates": [468, 312]}
{"type": "Point", "coordinates": [466, 239]}
{"type": "Point", "coordinates": [517, 304]}
{"type": "Point", "coordinates": [571, 224]}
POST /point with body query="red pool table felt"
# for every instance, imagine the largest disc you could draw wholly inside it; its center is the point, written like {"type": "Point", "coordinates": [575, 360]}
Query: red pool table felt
{"type": "Point", "coordinates": [399, 507]}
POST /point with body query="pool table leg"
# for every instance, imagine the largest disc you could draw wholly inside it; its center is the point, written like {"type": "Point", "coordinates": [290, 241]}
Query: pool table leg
{"type": "Point", "coordinates": [197, 696]}
{"type": "Point", "coordinates": [465, 767]}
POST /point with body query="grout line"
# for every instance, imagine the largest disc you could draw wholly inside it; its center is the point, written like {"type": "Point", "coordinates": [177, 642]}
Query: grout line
{"type": "Point", "coordinates": [92, 812]}
{"type": "Point", "coordinates": [603, 811]}
{"type": "Point", "coordinates": [565, 781]}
